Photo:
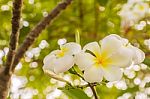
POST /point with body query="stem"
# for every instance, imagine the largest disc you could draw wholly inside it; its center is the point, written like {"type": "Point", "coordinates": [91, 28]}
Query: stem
{"type": "Point", "coordinates": [77, 36]}
{"type": "Point", "coordinates": [86, 85]}
{"type": "Point", "coordinates": [78, 86]}
{"type": "Point", "coordinates": [93, 90]}
{"type": "Point", "coordinates": [89, 84]}
{"type": "Point", "coordinates": [54, 76]}
{"type": "Point", "coordinates": [34, 33]}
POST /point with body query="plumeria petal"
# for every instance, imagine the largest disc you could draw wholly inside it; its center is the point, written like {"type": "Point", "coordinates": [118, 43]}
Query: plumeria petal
{"type": "Point", "coordinates": [55, 52]}
{"type": "Point", "coordinates": [71, 48]}
{"type": "Point", "coordinates": [109, 45]}
{"type": "Point", "coordinates": [49, 62]}
{"type": "Point", "coordinates": [112, 73]}
{"type": "Point", "coordinates": [84, 60]}
{"type": "Point", "coordinates": [122, 58]}
{"type": "Point", "coordinates": [63, 64]}
{"type": "Point", "coordinates": [93, 47]}
{"type": "Point", "coordinates": [124, 41]}
{"type": "Point", "coordinates": [138, 55]}
{"type": "Point", "coordinates": [93, 74]}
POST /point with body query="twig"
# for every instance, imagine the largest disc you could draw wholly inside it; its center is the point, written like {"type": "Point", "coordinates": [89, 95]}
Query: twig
{"type": "Point", "coordinates": [93, 90]}
{"type": "Point", "coordinates": [54, 76]}
{"type": "Point", "coordinates": [78, 86]}
{"type": "Point", "coordinates": [147, 54]}
{"type": "Point", "coordinates": [17, 4]}
{"type": "Point", "coordinates": [37, 30]}
{"type": "Point", "coordinates": [89, 84]}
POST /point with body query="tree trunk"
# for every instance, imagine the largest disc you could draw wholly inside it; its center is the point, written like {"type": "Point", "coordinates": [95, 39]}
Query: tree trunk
{"type": "Point", "coordinates": [4, 83]}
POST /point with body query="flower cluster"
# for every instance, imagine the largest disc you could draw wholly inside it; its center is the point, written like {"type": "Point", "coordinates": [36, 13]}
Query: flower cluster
{"type": "Point", "coordinates": [133, 11]}
{"type": "Point", "coordinates": [98, 60]}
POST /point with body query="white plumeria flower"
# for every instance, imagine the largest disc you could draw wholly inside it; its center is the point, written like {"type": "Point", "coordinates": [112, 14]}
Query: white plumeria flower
{"type": "Point", "coordinates": [104, 59]}
{"type": "Point", "coordinates": [138, 55]}
{"type": "Point", "coordinates": [140, 9]}
{"type": "Point", "coordinates": [61, 60]}
{"type": "Point", "coordinates": [132, 12]}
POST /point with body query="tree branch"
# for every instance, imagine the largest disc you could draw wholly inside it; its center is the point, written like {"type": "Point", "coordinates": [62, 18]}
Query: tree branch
{"type": "Point", "coordinates": [14, 57]}
{"type": "Point", "coordinates": [17, 4]}
{"type": "Point", "coordinates": [4, 83]}
{"type": "Point", "coordinates": [5, 73]}
{"type": "Point", "coordinates": [37, 30]}
{"type": "Point", "coordinates": [147, 54]}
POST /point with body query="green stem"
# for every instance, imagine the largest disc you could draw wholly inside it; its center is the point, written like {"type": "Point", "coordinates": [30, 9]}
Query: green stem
{"type": "Point", "coordinates": [54, 76]}
{"type": "Point", "coordinates": [77, 36]}
{"type": "Point", "coordinates": [89, 84]}
{"type": "Point", "coordinates": [94, 91]}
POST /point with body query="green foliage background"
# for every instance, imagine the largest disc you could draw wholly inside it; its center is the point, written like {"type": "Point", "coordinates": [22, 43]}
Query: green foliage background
{"type": "Point", "coordinates": [82, 15]}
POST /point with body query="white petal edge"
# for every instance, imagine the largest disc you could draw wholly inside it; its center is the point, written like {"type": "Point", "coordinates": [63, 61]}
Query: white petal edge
{"type": "Point", "coordinates": [84, 60]}
{"type": "Point", "coordinates": [55, 52]}
{"type": "Point", "coordinates": [112, 73]}
{"type": "Point", "coordinates": [109, 45]}
{"type": "Point", "coordinates": [138, 55]}
{"type": "Point", "coordinates": [49, 62]}
{"type": "Point", "coordinates": [72, 48]}
{"type": "Point", "coordinates": [63, 64]}
{"type": "Point", "coordinates": [123, 40]}
{"type": "Point", "coordinates": [94, 47]}
{"type": "Point", "coordinates": [93, 74]}
{"type": "Point", "coordinates": [122, 58]}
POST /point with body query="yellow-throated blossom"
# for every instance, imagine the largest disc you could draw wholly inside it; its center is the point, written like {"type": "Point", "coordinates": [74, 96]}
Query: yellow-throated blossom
{"type": "Point", "coordinates": [104, 59]}
{"type": "Point", "coordinates": [61, 60]}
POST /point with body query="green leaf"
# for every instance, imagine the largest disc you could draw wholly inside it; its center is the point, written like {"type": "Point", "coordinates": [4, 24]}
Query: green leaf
{"type": "Point", "coordinates": [75, 93]}
{"type": "Point", "coordinates": [72, 71]}
{"type": "Point", "coordinates": [147, 61]}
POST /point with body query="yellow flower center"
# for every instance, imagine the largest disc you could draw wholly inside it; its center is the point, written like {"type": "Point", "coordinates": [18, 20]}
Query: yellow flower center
{"type": "Point", "coordinates": [101, 61]}
{"type": "Point", "coordinates": [62, 52]}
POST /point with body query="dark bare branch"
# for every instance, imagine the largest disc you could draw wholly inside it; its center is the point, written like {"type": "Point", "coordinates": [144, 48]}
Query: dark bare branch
{"type": "Point", "coordinates": [38, 29]}
{"type": "Point", "coordinates": [14, 57]}
{"type": "Point", "coordinates": [5, 71]}
{"type": "Point", "coordinates": [14, 35]}
{"type": "Point", "coordinates": [4, 83]}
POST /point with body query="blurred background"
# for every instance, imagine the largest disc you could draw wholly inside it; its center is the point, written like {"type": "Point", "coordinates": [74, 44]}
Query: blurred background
{"type": "Point", "coordinates": [93, 19]}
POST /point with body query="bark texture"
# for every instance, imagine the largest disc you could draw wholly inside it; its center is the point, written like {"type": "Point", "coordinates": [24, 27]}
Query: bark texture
{"type": "Point", "coordinates": [14, 35]}
{"type": "Point", "coordinates": [5, 72]}
{"type": "Point", "coordinates": [4, 83]}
